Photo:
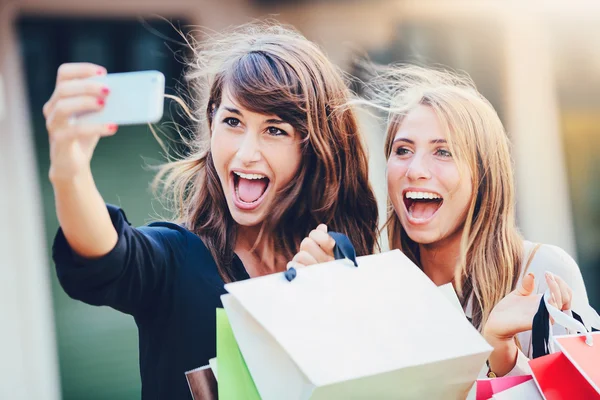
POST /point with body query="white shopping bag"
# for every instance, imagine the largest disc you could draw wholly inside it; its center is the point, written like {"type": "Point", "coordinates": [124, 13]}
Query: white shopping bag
{"type": "Point", "coordinates": [380, 330]}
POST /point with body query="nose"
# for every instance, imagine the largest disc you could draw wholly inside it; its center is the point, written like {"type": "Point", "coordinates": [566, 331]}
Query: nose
{"type": "Point", "coordinates": [418, 168]}
{"type": "Point", "coordinates": [249, 148]}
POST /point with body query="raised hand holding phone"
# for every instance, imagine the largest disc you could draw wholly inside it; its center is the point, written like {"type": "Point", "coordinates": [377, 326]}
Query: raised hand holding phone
{"type": "Point", "coordinates": [87, 104]}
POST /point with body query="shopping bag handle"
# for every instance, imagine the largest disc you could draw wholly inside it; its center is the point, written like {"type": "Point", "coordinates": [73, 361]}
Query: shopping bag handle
{"type": "Point", "coordinates": [541, 334]}
{"type": "Point", "coordinates": [342, 250]}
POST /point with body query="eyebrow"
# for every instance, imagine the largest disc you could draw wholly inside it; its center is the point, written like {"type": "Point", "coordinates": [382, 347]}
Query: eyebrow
{"type": "Point", "coordinates": [269, 121]}
{"type": "Point", "coordinates": [233, 111]}
{"type": "Point", "coordinates": [434, 141]}
{"type": "Point", "coordinates": [276, 121]}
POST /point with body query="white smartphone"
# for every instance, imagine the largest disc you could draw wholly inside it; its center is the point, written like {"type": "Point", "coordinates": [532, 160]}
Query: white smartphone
{"type": "Point", "coordinates": [134, 98]}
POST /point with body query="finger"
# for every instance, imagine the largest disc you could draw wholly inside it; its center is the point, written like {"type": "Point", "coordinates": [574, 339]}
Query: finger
{"type": "Point", "coordinates": [294, 264]}
{"type": "Point", "coordinates": [72, 88]}
{"type": "Point", "coordinates": [66, 108]}
{"type": "Point", "coordinates": [554, 290]}
{"type": "Point", "coordinates": [565, 291]}
{"type": "Point", "coordinates": [324, 240]}
{"type": "Point", "coordinates": [310, 246]}
{"type": "Point", "coordinates": [527, 285]}
{"type": "Point", "coordinates": [322, 228]}
{"type": "Point", "coordinates": [78, 71]}
{"type": "Point", "coordinates": [305, 258]}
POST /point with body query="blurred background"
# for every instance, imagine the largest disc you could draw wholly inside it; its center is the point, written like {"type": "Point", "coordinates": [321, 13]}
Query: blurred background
{"type": "Point", "coordinates": [537, 62]}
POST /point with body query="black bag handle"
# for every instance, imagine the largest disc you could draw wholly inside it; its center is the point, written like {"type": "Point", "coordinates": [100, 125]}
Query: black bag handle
{"type": "Point", "coordinates": [540, 330]}
{"type": "Point", "coordinates": [343, 249]}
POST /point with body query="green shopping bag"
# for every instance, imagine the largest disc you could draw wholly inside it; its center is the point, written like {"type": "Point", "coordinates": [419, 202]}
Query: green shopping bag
{"type": "Point", "coordinates": [234, 380]}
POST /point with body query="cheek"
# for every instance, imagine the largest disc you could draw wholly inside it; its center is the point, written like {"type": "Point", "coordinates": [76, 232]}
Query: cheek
{"type": "Point", "coordinates": [458, 186]}
{"type": "Point", "coordinates": [222, 149]}
{"type": "Point", "coordinates": [396, 171]}
{"type": "Point", "coordinates": [285, 162]}
{"type": "Point", "coordinates": [448, 176]}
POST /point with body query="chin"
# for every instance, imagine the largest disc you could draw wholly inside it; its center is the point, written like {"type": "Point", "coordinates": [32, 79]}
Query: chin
{"type": "Point", "coordinates": [422, 236]}
{"type": "Point", "coordinates": [246, 219]}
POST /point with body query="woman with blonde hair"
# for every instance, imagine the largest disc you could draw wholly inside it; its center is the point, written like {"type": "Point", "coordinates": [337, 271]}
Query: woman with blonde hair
{"type": "Point", "coordinates": [275, 155]}
{"type": "Point", "coordinates": [452, 209]}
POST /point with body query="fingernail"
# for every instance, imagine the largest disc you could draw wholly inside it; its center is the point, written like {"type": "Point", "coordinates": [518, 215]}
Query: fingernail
{"type": "Point", "coordinates": [549, 275]}
{"type": "Point", "coordinates": [100, 102]}
{"type": "Point", "coordinates": [531, 275]}
{"type": "Point", "coordinates": [105, 90]}
{"type": "Point", "coordinates": [100, 71]}
{"type": "Point", "coordinates": [112, 127]}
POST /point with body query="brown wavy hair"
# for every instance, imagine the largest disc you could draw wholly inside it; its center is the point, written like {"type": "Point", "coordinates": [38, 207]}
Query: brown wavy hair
{"type": "Point", "coordinates": [491, 245]}
{"type": "Point", "coordinates": [272, 69]}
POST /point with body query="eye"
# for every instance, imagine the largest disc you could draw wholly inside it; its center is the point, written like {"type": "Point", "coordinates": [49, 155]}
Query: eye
{"type": "Point", "coordinates": [402, 151]}
{"type": "Point", "coordinates": [443, 153]}
{"type": "Point", "coordinates": [233, 122]}
{"type": "Point", "coordinates": [273, 131]}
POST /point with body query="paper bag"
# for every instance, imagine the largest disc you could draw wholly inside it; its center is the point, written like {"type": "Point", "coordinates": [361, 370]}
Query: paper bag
{"type": "Point", "coordinates": [524, 391]}
{"type": "Point", "coordinates": [202, 383]}
{"type": "Point", "coordinates": [379, 330]}
{"type": "Point", "coordinates": [486, 388]}
{"type": "Point", "coordinates": [572, 370]}
{"type": "Point", "coordinates": [234, 381]}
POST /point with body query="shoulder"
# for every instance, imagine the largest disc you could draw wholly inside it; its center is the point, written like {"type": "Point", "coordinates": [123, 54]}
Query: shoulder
{"type": "Point", "coordinates": [550, 258]}
{"type": "Point", "coordinates": [177, 236]}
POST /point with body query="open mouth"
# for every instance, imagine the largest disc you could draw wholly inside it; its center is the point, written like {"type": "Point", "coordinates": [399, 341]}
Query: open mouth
{"type": "Point", "coordinates": [249, 189]}
{"type": "Point", "coordinates": [422, 206]}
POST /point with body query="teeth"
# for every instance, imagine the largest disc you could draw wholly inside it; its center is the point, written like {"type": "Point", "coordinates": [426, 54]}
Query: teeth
{"type": "Point", "coordinates": [249, 176]}
{"type": "Point", "coordinates": [422, 195]}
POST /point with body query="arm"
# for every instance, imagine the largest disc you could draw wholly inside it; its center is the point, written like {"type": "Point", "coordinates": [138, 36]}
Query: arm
{"type": "Point", "coordinates": [79, 206]}
{"type": "Point", "coordinates": [99, 258]}
{"type": "Point", "coordinates": [134, 276]}
{"type": "Point", "coordinates": [514, 314]}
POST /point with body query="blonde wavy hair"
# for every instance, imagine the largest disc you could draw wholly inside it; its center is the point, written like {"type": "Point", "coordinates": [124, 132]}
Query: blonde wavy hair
{"type": "Point", "coordinates": [491, 245]}
{"type": "Point", "coordinates": [272, 69]}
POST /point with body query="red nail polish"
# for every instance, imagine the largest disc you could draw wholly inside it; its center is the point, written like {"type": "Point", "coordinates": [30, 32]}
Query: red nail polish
{"type": "Point", "coordinates": [112, 127]}
{"type": "Point", "coordinates": [101, 102]}
{"type": "Point", "coordinates": [100, 72]}
{"type": "Point", "coordinates": [105, 91]}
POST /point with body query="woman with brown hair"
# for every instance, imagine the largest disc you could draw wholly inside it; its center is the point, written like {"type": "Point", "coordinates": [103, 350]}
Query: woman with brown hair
{"type": "Point", "coordinates": [274, 156]}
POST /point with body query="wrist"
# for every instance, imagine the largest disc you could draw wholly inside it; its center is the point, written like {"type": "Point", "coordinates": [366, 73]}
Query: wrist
{"type": "Point", "coordinates": [67, 177]}
{"type": "Point", "coordinates": [504, 356]}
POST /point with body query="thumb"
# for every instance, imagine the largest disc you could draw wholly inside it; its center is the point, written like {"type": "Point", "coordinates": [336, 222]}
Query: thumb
{"type": "Point", "coordinates": [527, 285]}
{"type": "Point", "coordinates": [322, 228]}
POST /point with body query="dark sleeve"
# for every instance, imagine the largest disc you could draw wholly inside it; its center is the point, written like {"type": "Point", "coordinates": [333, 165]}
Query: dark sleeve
{"type": "Point", "coordinates": [133, 276]}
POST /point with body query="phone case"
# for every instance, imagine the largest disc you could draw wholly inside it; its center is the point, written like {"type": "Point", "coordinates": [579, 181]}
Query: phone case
{"type": "Point", "coordinates": [134, 98]}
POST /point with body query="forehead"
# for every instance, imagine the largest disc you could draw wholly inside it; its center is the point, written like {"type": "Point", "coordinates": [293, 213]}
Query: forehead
{"type": "Point", "coordinates": [421, 123]}
{"type": "Point", "coordinates": [228, 100]}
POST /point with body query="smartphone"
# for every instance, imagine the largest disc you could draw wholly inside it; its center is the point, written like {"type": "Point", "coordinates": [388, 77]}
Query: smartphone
{"type": "Point", "coordinates": [134, 98]}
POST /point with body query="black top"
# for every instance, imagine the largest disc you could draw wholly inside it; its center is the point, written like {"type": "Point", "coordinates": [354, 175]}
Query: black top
{"type": "Point", "coordinates": [165, 277]}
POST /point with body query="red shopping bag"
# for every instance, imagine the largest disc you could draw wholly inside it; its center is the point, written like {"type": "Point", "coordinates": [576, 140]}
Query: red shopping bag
{"type": "Point", "coordinates": [559, 379]}
{"type": "Point", "coordinates": [572, 370]}
{"type": "Point", "coordinates": [486, 388]}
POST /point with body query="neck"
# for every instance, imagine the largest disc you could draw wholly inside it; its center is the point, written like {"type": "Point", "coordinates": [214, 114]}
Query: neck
{"type": "Point", "coordinates": [440, 259]}
{"type": "Point", "coordinates": [257, 253]}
